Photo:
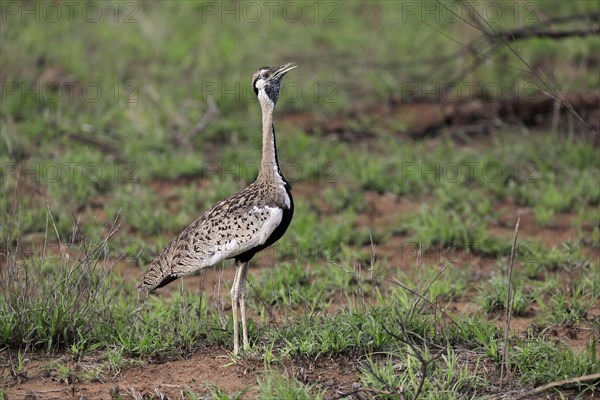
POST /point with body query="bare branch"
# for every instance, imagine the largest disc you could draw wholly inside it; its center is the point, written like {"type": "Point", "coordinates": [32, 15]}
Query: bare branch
{"type": "Point", "coordinates": [534, 32]}
{"type": "Point", "coordinates": [206, 119]}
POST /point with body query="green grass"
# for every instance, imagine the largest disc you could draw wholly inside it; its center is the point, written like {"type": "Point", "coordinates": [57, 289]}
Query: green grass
{"type": "Point", "coordinates": [48, 305]}
{"type": "Point", "coordinates": [276, 385]}
{"type": "Point", "coordinates": [437, 284]}
{"type": "Point", "coordinates": [92, 311]}
{"type": "Point", "coordinates": [454, 230]}
{"type": "Point", "coordinates": [401, 373]}
{"type": "Point", "coordinates": [493, 296]}
{"type": "Point", "coordinates": [217, 393]}
{"type": "Point", "coordinates": [295, 285]}
{"type": "Point", "coordinates": [541, 361]}
{"type": "Point", "coordinates": [63, 302]}
{"type": "Point", "coordinates": [569, 304]}
{"type": "Point", "coordinates": [312, 237]}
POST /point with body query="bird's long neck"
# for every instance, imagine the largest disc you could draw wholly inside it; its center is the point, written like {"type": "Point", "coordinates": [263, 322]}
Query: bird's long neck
{"type": "Point", "coordinates": [269, 166]}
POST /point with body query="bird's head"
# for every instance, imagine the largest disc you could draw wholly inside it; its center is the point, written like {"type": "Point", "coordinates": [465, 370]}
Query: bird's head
{"type": "Point", "coordinates": [267, 83]}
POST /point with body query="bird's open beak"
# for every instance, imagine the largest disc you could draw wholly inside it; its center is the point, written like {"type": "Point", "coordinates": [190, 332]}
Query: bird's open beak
{"type": "Point", "coordinates": [284, 69]}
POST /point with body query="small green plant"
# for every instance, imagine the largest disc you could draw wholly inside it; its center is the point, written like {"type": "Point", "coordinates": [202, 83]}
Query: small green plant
{"type": "Point", "coordinates": [568, 311]}
{"type": "Point", "coordinates": [493, 296]}
{"type": "Point", "coordinates": [18, 365]}
{"type": "Point", "coordinates": [476, 333]}
{"type": "Point", "coordinates": [217, 393]}
{"type": "Point", "coordinates": [539, 361]}
{"type": "Point", "coordinates": [64, 372]}
{"type": "Point", "coordinates": [113, 360]}
{"type": "Point", "coordinates": [566, 257]}
{"type": "Point", "coordinates": [594, 240]}
{"type": "Point", "coordinates": [338, 198]}
{"type": "Point", "coordinates": [438, 284]}
{"type": "Point", "coordinates": [543, 215]}
{"type": "Point", "coordinates": [403, 373]}
{"type": "Point", "coordinates": [567, 307]}
{"type": "Point", "coordinates": [276, 385]}
{"type": "Point", "coordinates": [288, 284]}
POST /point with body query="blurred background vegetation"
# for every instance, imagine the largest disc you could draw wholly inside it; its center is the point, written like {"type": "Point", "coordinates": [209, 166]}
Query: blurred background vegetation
{"type": "Point", "coordinates": [122, 88]}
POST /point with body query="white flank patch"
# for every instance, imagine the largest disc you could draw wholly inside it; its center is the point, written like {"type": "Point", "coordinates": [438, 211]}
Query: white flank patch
{"type": "Point", "coordinates": [269, 225]}
{"type": "Point", "coordinates": [287, 199]}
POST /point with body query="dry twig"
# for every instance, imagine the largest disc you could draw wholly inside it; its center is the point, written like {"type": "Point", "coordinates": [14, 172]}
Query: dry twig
{"type": "Point", "coordinates": [556, 384]}
{"type": "Point", "coordinates": [505, 359]}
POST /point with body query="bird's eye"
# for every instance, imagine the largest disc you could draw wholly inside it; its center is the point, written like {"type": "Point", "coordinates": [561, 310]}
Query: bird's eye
{"type": "Point", "coordinates": [265, 74]}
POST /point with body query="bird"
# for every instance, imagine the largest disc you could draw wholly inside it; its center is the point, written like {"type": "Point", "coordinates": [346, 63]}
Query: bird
{"type": "Point", "coordinates": [240, 225]}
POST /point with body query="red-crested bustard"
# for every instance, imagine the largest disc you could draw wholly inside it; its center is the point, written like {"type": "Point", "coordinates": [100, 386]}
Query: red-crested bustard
{"type": "Point", "coordinates": [240, 225]}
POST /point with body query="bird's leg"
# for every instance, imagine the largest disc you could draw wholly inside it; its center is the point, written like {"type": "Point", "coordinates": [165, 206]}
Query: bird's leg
{"type": "Point", "coordinates": [235, 295]}
{"type": "Point", "coordinates": [242, 294]}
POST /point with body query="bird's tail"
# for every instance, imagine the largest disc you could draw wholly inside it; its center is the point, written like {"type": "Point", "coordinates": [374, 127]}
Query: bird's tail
{"type": "Point", "coordinates": [150, 284]}
{"type": "Point", "coordinates": [159, 273]}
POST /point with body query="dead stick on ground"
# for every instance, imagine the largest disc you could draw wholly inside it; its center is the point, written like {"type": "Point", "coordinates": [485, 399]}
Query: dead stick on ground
{"type": "Point", "coordinates": [505, 360]}
{"type": "Point", "coordinates": [540, 389]}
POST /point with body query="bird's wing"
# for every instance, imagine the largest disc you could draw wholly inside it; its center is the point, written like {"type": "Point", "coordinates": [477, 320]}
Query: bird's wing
{"type": "Point", "coordinates": [221, 233]}
{"type": "Point", "coordinates": [242, 233]}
